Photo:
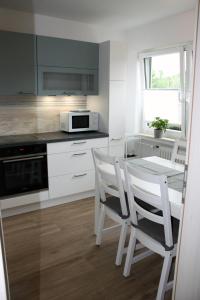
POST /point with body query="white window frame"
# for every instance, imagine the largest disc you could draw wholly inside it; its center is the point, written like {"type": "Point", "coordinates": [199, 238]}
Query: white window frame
{"type": "Point", "coordinates": [185, 91]}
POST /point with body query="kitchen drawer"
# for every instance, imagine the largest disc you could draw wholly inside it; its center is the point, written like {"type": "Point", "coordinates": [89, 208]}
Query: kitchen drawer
{"type": "Point", "coordinates": [73, 183]}
{"type": "Point", "coordinates": [70, 162]}
{"type": "Point", "coordinates": [62, 147]}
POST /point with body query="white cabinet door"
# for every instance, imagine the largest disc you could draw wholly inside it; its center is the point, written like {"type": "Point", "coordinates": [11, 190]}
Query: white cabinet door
{"type": "Point", "coordinates": [117, 112]}
{"type": "Point", "coordinates": [118, 60]}
{"type": "Point", "coordinates": [65, 163]}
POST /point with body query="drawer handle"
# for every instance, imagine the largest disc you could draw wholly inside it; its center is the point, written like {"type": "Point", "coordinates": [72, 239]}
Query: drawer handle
{"type": "Point", "coordinates": [116, 139]}
{"type": "Point", "coordinates": [79, 154]}
{"type": "Point", "coordinates": [78, 143]}
{"type": "Point", "coordinates": [25, 93]}
{"type": "Point", "coordinates": [79, 175]}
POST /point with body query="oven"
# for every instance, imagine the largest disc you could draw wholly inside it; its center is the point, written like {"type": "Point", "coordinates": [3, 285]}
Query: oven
{"type": "Point", "coordinates": [23, 169]}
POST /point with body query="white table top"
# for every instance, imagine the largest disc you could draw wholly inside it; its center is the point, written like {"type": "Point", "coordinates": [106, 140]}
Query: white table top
{"type": "Point", "coordinates": [175, 197]}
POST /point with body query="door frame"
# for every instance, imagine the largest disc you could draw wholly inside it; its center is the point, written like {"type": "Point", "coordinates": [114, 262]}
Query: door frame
{"type": "Point", "coordinates": [4, 286]}
{"type": "Point", "coordinates": [187, 274]}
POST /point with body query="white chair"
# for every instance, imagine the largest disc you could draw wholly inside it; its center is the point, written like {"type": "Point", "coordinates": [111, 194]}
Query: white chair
{"type": "Point", "coordinates": [112, 200]}
{"type": "Point", "coordinates": [179, 151]}
{"type": "Point", "coordinates": [152, 229]}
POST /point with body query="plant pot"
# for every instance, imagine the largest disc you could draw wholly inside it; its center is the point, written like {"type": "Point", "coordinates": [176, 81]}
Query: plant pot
{"type": "Point", "coordinates": [158, 133]}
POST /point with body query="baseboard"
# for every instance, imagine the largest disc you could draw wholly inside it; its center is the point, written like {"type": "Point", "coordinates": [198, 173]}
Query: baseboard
{"type": "Point", "coordinates": [45, 204]}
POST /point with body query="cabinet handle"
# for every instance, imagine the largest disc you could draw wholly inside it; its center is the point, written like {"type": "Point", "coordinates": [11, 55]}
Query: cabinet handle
{"type": "Point", "coordinates": [25, 93]}
{"type": "Point", "coordinates": [79, 175]}
{"type": "Point", "coordinates": [116, 139]}
{"type": "Point", "coordinates": [77, 143]}
{"type": "Point", "coordinates": [22, 159]}
{"type": "Point", "coordinates": [79, 154]}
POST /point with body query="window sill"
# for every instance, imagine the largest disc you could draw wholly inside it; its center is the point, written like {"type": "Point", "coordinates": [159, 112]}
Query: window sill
{"type": "Point", "coordinates": [163, 140]}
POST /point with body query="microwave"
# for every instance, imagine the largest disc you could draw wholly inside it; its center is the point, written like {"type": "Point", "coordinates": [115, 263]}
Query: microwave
{"type": "Point", "coordinates": [79, 121]}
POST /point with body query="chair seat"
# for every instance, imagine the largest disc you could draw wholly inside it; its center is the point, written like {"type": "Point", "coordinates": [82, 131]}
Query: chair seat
{"type": "Point", "coordinates": [144, 205]}
{"type": "Point", "coordinates": [114, 204]}
{"type": "Point", "coordinates": [156, 231]}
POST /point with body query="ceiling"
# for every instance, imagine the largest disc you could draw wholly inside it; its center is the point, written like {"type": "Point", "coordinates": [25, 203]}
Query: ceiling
{"type": "Point", "coordinates": [116, 13]}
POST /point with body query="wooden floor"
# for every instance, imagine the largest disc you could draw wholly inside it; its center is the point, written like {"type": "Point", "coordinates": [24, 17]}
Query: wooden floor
{"type": "Point", "coordinates": [51, 255]}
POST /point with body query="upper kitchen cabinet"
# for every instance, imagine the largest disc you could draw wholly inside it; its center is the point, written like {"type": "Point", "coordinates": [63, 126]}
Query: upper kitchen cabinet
{"type": "Point", "coordinates": [67, 81]}
{"type": "Point", "coordinates": [17, 64]}
{"type": "Point", "coordinates": [62, 53]}
{"type": "Point", "coordinates": [67, 67]}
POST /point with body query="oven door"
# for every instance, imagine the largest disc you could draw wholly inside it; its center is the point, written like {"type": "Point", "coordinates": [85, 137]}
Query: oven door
{"type": "Point", "coordinates": [80, 122]}
{"type": "Point", "coordinates": [23, 174]}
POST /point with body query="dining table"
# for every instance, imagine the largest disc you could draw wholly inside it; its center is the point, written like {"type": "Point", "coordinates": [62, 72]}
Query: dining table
{"type": "Point", "coordinates": [158, 166]}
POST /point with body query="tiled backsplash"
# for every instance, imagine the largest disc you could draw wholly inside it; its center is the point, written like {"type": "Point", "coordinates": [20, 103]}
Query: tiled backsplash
{"type": "Point", "coordinates": [21, 115]}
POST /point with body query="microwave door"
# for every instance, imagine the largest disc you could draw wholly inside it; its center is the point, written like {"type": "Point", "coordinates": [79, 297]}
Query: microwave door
{"type": "Point", "coordinates": [80, 122]}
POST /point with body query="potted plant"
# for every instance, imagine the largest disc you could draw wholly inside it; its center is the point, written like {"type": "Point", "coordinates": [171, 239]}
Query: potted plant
{"type": "Point", "coordinates": [159, 125]}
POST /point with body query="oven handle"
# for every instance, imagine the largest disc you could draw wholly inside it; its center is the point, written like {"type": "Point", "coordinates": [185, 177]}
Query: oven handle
{"type": "Point", "coordinates": [22, 159]}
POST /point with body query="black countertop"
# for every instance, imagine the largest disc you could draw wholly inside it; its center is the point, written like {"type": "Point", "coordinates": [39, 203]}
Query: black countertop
{"type": "Point", "coordinates": [48, 137]}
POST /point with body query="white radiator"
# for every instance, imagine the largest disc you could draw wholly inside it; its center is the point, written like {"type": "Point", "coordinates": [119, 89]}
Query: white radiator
{"type": "Point", "coordinates": [141, 148]}
{"type": "Point", "coordinates": [165, 152]}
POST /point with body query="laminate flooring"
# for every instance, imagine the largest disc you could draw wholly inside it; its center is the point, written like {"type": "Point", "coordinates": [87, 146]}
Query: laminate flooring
{"type": "Point", "coordinates": [51, 255]}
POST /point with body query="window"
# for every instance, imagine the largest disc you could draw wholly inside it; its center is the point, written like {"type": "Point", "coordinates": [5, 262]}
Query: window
{"type": "Point", "coordinates": [166, 77]}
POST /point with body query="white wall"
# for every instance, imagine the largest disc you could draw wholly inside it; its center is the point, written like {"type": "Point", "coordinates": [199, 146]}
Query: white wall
{"type": "Point", "coordinates": [43, 25]}
{"type": "Point", "coordinates": [162, 33]}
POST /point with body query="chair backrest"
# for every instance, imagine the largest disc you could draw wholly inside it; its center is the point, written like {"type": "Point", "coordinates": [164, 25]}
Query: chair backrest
{"type": "Point", "coordinates": [179, 151]}
{"type": "Point", "coordinates": [109, 178]}
{"type": "Point", "coordinates": [151, 189]}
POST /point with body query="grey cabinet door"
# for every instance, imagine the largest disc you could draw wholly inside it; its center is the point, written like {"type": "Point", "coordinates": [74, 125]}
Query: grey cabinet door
{"type": "Point", "coordinates": [18, 74]}
{"type": "Point", "coordinates": [17, 48]}
{"type": "Point", "coordinates": [67, 81]}
{"type": "Point", "coordinates": [59, 52]}
{"type": "Point", "coordinates": [18, 80]}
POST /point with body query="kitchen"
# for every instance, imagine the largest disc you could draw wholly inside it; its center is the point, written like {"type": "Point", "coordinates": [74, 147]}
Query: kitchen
{"type": "Point", "coordinates": [54, 108]}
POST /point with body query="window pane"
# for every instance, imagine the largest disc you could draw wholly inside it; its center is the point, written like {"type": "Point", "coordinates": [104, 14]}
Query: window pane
{"type": "Point", "coordinates": [163, 104]}
{"type": "Point", "coordinates": [162, 71]}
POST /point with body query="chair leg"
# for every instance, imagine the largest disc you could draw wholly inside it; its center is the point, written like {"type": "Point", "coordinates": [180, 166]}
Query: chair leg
{"type": "Point", "coordinates": [121, 244]}
{"type": "Point", "coordinates": [130, 253]}
{"type": "Point", "coordinates": [100, 226]}
{"type": "Point", "coordinates": [97, 208]}
{"type": "Point", "coordinates": [164, 276]}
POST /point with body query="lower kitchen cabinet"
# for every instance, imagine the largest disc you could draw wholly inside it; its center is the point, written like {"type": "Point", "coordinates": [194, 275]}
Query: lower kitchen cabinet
{"type": "Point", "coordinates": [73, 183]}
{"type": "Point", "coordinates": [75, 162]}
{"type": "Point", "coordinates": [70, 172]}
{"type": "Point", "coordinates": [71, 167]}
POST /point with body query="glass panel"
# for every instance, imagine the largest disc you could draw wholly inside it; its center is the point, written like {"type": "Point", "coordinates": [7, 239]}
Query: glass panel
{"type": "Point", "coordinates": [162, 71]}
{"type": "Point", "coordinates": [27, 175]}
{"type": "Point", "coordinates": [90, 82]}
{"type": "Point", "coordinates": [62, 81]}
{"type": "Point", "coordinates": [163, 104]}
{"type": "Point", "coordinates": [80, 122]}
